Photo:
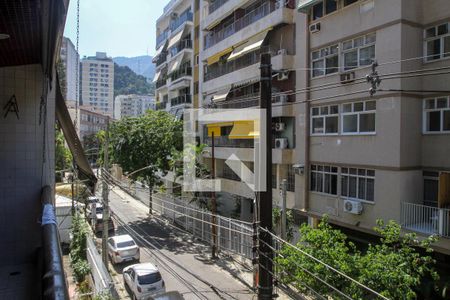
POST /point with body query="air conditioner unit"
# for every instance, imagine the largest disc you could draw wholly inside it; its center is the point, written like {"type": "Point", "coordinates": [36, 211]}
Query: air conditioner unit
{"type": "Point", "coordinates": [347, 77]}
{"type": "Point", "coordinates": [314, 27]}
{"type": "Point", "coordinates": [281, 99]}
{"type": "Point", "coordinates": [281, 143]}
{"type": "Point", "coordinates": [283, 75]}
{"type": "Point", "coordinates": [282, 52]}
{"type": "Point", "coordinates": [353, 207]}
{"type": "Point", "coordinates": [174, 15]}
{"type": "Point", "coordinates": [279, 126]}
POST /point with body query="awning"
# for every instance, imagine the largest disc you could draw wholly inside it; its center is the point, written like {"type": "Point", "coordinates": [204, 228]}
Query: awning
{"type": "Point", "coordinates": [244, 130]}
{"type": "Point", "coordinates": [157, 75]}
{"type": "Point", "coordinates": [221, 96]}
{"type": "Point", "coordinates": [252, 44]}
{"type": "Point", "coordinates": [175, 64]}
{"type": "Point", "coordinates": [175, 39]}
{"type": "Point", "coordinates": [159, 51]}
{"type": "Point", "coordinates": [63, 116]}
{"type": "Point", "coordinates": [304, 5]}
{"type": "Point", "coordinates": [215, 58]}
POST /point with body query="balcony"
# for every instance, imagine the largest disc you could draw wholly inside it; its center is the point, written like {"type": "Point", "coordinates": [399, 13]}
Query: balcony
{"type": "Point", "coordinates": [218, 70]}
{"type": "Point", "coordinates": [182, 45]}
{"type": "Point", "coordinates": [161, 59]}
{"type": "Point", "coordinates": [216, 5]}
{"type": "Point", "coordinates": [425, 219]}
{"type": "Point", "coordinates": [225, 141]}
{"type": "Point", "coordinates": [185, 17]}
{"type": "Point", "coordinates": [160, 106]}
{"type": "Point", "coordinates": [160, 83]}
{"type": "Point", "coordinates": [180, 73]}
{"type": "Point", "coordinates": [182, 99]}
{"type": "Point", "coordinates": [161, 38]}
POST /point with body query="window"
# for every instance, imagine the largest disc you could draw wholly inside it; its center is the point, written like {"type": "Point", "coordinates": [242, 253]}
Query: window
{"type": "Point", "coordinates": [359, 52]}
{"type": "Point", "coordinates": [358, 117]}
{"type": "Point", "coordinates": [325, 61]}
{"type": "Point", "coordinates": [196, 59]}
{"type": "Point", "coordinates": [290, 179]}
{"type": "Point", "coordinates": [274, 176]}
{"type": "Point", "coordinates": [323, 8]}
{"type": "Point", "coordinates": [348, 2]}
{"type": "Point", "coordinates": [430, 188]}
{"type": "Point", "coordinates": [437, 115]}
{"type": "Point", "coordinates": [437, 42]}
{"type": "Point", "coordinates": [358, 184]}
{"type": "Point", "coordinates": [324, 179]}
{"type": "Point", "coordinates": [324, 120]}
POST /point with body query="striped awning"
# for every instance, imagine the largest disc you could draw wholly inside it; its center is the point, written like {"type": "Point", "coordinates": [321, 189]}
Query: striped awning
{"type": "Point", "coordinates": [215, 58]}
{"type": "Point", "coordinates": [252, 44]}
{"type": "Point", "coordinates": [244, 130]}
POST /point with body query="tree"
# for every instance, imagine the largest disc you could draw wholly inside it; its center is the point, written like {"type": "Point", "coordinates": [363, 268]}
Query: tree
{"type": "Point", "coordinates": [63, 157]}
{"type": "Point", "coordinates": [145, 143]}
{"type": "Point", "coordinates": [128, 82]}
{"type": "Point", "coordinates": [394, 267]}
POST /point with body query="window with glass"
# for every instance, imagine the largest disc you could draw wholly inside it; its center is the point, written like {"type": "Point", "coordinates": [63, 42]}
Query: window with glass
{"type": "Point", "coordinates": [358, 184]}
{"type": "Point", "coordinates": [430, 188]}
{"type": "Point", "coordinates": [324, 179]}
{"type": "Point", "coordinates": [324, 120]}
{"type": "Point", "coordinates": [348, 2]}
{"type": "Point", "coordinates": [359, 117]}
{"type": "Point", "coordinates": [290, 179]}
{"type": "Point", "coordinates": [359, 52]}
{"type": "Point", "coordinates": [437, 42]}
{"type": "Point", "coordinates": [325, 61]}
{"type": "Point", "coordinates": [437, 115]}
{"type": "Point", "coordinates": [323, 8]}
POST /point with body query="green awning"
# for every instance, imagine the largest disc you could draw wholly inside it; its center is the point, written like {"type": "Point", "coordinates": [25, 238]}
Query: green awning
{"type": "Point", "coordinates": [304, 5]}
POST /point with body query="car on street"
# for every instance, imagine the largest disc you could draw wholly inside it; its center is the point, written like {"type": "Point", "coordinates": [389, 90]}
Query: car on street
{"type": "Point", "coordinates": [122, 248]}
{"type": "Point", "coordinates": [95, 214]}
{"type": "Point", "coordinates": [172, 295]}
{"type": "Point", "coordinates": [143, 280]}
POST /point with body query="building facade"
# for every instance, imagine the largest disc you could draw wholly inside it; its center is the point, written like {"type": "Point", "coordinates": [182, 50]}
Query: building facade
{"type": "Point", "coordinates": [174, 58]}
{"type": "Point", "coordinates": [70, 59]}
{"type": "Point", "coordinates": [89, 121]}
{"type": "Point", "coordinates": [97, 83]}
{"type": "Point", "coordinates": [381, 156]}
{"type": "Point", "coordinates": [132, 105]}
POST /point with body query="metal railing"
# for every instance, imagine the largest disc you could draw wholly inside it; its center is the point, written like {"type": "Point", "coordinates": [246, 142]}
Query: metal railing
{"type": "Point", "coordinates": [160, 83]}
{"type": "Point", "coordinates": [425, 219]}
{"type": "Point", "coordinates": [54, 284]}
{"type": "Point", "coordinates": [183, 44]}
{"type": "Point", "coordinates": [161, 59]}
{"type": "Point", "coordinates": [103, 283]}
{"type": "Point", "coordinates": [185, 17]}
{"type": "Point", "coordinates": [214, 5]}
{"type": "Point", "coordinates": [249, 18]}
{"type": "Point", "coordinates": [225, 141]}
{"type": "Point", "coordinates": [181, 100]}
{"type": "Point", "coordinates": [162, 37]}
{"type": "Point", "coordinates": [182, 72]}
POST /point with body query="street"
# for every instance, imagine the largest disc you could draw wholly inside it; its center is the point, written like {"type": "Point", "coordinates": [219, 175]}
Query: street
{"type": "Point", "coordinates": [184, 263]}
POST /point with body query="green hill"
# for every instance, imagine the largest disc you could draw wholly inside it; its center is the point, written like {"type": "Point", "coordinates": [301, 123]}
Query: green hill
{"type": "Point", "coordinates": [127, 82]}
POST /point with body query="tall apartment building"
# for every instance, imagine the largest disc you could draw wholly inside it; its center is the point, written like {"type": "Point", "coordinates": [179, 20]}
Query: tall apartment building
{"type": "Point", "coordinates": [70, 59]}
{"type": "Point", "coordinates": [97, 83]}
{"type": "Point", "coordinates": [132, 105]}
{"type": "Point", "coordinates": [233, 35]}
{"type": "Point", "coordinates": [383, 156]}
{"type": "Point", "coordinates": [174, 57]}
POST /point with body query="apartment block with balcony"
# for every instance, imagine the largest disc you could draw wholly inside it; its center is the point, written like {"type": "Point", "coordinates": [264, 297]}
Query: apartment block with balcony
{"type": "Point", "coordinates": [132, 105]}
{"type": "Point", "coordinates": [383, 156]}
{"type": "Point", "coordinates": [97, 83]}
{"type": "Point", "coordinates": [70, 60]}
{"type": "Point", "coordinates": [233, 36]}
{"type": "Point", "coordinates": [174, 57]}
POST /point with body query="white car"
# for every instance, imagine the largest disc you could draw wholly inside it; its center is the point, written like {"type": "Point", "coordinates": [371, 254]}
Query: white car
{"type": "Point", "coordinates": [122, 248]}
{"type": "Point", "coordinates": [143, 280]}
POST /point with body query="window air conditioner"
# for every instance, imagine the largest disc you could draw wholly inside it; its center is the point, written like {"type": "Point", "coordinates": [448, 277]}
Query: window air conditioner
{"type": "Point", "coordinates": [281, 143]}
{"type": "Point", "coordinates": [314, 27]}
{"type": "Point", "coordinates": [283, 75]}
{"type": "Point", "coordinates": [282, 52]}
{"type": "Point", "coordinates": [353, 207]}
{"type": "Point", "coordinates": [347, 77]}
{"type": "Point", "coordinates": [279, 126]}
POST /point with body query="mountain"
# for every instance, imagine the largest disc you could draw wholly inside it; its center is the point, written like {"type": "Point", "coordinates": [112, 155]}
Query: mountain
{"type": "Point", "coordinates": [126, 81]}
{"type": "Point", "coordinates": [141, 65]}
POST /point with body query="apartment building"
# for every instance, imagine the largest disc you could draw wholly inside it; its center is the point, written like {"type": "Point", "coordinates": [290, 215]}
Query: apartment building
{"type": "Point", "coordinates": [89, 121]}
{"type": "Point", "coordinates": [233, 34]}
{"type": "Point", "coordinates": [97, 83]}
{"type": "Point", "coordinates": [70, 60]}
{"type": "Point", "coordinates": [383, 156]}
{"type": "Point", "coordinates": [174, 57]}
{"type": "Point", "coordinates": [132, 105]}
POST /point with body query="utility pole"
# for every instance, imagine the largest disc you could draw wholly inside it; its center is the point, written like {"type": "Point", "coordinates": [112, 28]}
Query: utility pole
{"type": "Point", "coordinates": [105, 198]}
{"type": "Point", "coordinates": [213, 202]}
{"type": "Point", "coordinates": [265, 284]}
{"type": "Point", "coordinates": [283, 208]}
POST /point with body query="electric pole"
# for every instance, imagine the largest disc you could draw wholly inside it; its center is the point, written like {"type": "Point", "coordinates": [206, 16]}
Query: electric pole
{"type": "Point", "coordinates": [105, 197]}
{"type": "Point", "coordinates": [265, 284]}
{"type": "Point", "coordinates": [283, 208]}
{"type": "Point", "coordinates": [213, 202]}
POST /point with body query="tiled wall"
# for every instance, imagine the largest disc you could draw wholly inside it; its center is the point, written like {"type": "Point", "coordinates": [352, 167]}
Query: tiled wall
{"type": "Point", "coordinates": [22, 168]}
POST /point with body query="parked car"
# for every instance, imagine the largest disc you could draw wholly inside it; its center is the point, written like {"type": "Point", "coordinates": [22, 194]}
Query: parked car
{"type": "Point", "coordinates": [143, 280]}
{"type": "Point", "coordinates": [122, 248]}
{"type": "Point", "coordinates": [95, 216]}
{"type": "Point", "coordinates": [172, 295]}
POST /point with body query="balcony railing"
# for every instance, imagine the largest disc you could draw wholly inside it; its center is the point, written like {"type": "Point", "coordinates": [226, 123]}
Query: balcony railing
{"type": "Point", "coordinates": [182, 99]}
{"type": "Point", "coordinates": [249, 100]}
{"type": "Point", "coordinates": [244, 61]}
{"type": "Point", "coordinates": [425, 219]}
{"type": "Point", "coordinates": [185, 17]}
{"type": "Point", "coordinates": [161, 59]}
{"type": "Point", "coordinates": [160, 83]}
{"type": "Point", "coordinates": [184, 44]}
{"type": "Point", "coordinates": [249, 18]}
{"type": "Point", "coordinates": [183, 71]}
{"type": "Point", "coordinates": [225, 141]}
{"type": "Point", "coordinates": [160, 106]}
{"type": "Point", "coordinates": [216, 5]}
{"type": "Point", "coordinates": [53, 280]}
{"type": "Point", "coordinates": [161, 38]}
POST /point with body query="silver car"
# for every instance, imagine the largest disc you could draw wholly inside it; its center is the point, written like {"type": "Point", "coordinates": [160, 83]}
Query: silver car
{"type": "Point", "coordinates": [122, 248]}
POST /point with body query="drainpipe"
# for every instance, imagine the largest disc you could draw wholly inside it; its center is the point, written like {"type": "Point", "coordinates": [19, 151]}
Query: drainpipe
{"type": "Point", "coordinates": [307, 120]}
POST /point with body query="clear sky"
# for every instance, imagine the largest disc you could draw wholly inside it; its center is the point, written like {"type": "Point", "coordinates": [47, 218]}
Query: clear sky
{"type": "Point", "coordinates": [118, 27]}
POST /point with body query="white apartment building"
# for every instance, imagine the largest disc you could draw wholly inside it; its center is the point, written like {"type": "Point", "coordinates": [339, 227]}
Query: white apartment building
{"type": "Point", "coordinates": [70, 58]}
{"type": "Point", "coordinates": [174, 57]}
{"type": "Point", "coordinates": [97, 83]}
{"type": "Point", "coordinates": [132, 105]}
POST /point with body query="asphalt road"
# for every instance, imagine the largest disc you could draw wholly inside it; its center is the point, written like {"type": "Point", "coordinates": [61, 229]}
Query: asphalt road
{"type": "Point", "coordinates": [184, 263]}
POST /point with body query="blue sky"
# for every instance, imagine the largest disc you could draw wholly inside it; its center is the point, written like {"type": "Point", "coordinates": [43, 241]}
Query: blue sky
{"type": "Point", "coordinates": [118, 27]}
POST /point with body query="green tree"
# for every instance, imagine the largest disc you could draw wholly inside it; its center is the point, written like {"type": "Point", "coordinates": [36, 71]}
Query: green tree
{"type": "Point", "coordinates": [394, 267]}
{"type": "Point", "coordinates": [146, 143]}
{"type": "Point", "coordinates": [78, 245]}
{"type": "Point", "coordinates": [63, 157]}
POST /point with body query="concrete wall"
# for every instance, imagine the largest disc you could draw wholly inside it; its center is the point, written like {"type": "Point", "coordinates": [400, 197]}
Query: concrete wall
{"type": "Point", "coordinates": [24, 171]}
